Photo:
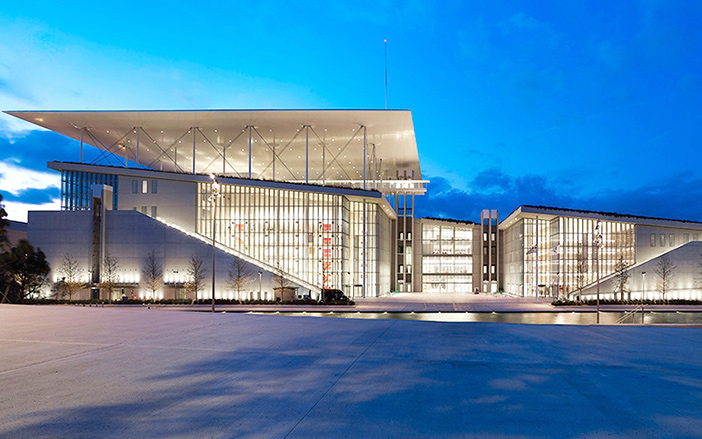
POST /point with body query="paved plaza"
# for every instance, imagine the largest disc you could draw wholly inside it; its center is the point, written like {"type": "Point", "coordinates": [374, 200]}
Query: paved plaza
{"type": "Point", "coordinates": [74, 372]}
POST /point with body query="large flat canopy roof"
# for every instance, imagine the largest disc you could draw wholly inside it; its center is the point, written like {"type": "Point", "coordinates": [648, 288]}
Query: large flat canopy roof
{"type": "Point", "coordinates": [307, 144]}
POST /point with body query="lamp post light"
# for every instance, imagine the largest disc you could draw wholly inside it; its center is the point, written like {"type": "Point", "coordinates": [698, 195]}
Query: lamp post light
{"type": "Point", "coordinates": [214, 194]}
{"type": "Point", "coordinates": [643, 296]}
{"type": "Point", "coordinates": [596, 243]}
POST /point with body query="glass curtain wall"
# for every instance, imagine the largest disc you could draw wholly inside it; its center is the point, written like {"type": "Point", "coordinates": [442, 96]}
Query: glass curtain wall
{"type": "Point", "coordinates": [377, 249]}
{"type": "Point", "coordinates": [565, 254]}
{"type": "Point", "coordinates": [447, 261]}
{"type": "Point", "coordinates": [538, 249]}
{"type": "Point", "coordinates": [317, 237]}
{"type": "Point", "coordinates": [576, 258]}
{"type": "Point", "coordinates": [513, 258]}
{"type": "Point", "coordinates": [77, 189]}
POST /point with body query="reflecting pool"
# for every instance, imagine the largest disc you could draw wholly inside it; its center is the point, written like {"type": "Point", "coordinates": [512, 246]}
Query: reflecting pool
{"type": "Point", "coordinates": [543, 318]}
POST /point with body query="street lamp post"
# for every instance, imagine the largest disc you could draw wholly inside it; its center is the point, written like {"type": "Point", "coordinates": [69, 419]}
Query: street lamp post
{"type": "Point", "coordinates": [643, 296]}
{"type": "Point", "coordinates": [597, 243]}
{"type": "Point", "coordinates": [214, 194]}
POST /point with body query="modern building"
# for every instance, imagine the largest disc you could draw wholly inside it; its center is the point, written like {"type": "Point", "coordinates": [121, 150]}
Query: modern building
{"type": "Point", "coordinates": [322, 199]}
{"type": "Point", "coordinates": [559, 252]}
{"type": "Point", "coordinates": [312, 196]}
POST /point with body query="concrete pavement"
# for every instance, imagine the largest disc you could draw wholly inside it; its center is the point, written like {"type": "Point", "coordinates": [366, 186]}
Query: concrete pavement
{"type": "Point", "coordinates": [78, 372]}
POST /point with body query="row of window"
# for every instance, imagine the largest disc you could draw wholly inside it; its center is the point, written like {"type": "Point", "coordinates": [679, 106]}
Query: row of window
{"type": "Point", "coordinates": [77, 189]}
{"type": "Point", "coordinates": [492, 236]}
{"type": "Point", "coordinates": [142, 186]}
{"type": "Point", "coordinates": [671, 239]}
{"type": "Point", "coordinates": [446, 233]}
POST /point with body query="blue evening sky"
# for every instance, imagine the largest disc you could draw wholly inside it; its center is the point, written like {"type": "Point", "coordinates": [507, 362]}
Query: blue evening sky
{"type": "Point", "coordinates": [592, 105]}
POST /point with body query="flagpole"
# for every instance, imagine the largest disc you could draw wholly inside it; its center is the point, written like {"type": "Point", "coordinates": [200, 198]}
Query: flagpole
{"type": "Point", "coordinates": [386, 73]}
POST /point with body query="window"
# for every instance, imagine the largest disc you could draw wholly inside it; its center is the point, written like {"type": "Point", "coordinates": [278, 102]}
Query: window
{"type": "Point", "coordinates": [695, 237]}
{"type": "Point", "coordinates": [484, 269]}
{"type": "Point", "coordinates": [671, 240]}
{"type": "Point", "coordinates": [686, 237]}
{"type": "Point", "coordinates": [492, 269]}
{"type": "Point", "coordinates": [154, 188]}
{"type": "Point", "coordinates": [153, 211]}
{"type": "Point", "coordinates": [493, 237]}
{"type": "Point", "coordinates": [144, 187]}
{"type": "Point", "coordinates": [135, 209]}
{"type": "Point", "coordinates": [653, 239]}
{"type": "Point", "coordinates": [662, 240]}
{"type": "Point", "coordinates": [143, 210]}
{"type": "Point", "coordinates": [135, 186]}
{"type": "Point", "coordinates": [484, 236]}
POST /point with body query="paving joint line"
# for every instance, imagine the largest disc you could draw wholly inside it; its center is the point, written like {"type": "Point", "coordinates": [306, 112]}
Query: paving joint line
{"type": "Point", "coordinates": [392, 322]}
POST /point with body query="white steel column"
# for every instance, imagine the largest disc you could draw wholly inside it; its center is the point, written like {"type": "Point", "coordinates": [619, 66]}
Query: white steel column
{"type": "Point", "coordinates": [364, 167]}
{"type": "Point", "coordinates": [249, 151]}
{"type": "Point", "coordinates": [375, 184]}
{"type": "Point", "coordinates": [137, 147]}
{"type": "Point", "coordinates": [324, 158]}
{"type": "Point", "coordinates": [193, 130]}
{"type": "Point", "coordinates": [273, 156]}
{"type": "Point", "coordinates": [307, 154]}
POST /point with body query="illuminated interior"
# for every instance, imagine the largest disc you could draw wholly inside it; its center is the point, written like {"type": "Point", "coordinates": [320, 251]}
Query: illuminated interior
{"type": "Point", "coordinates": [447, 262]}
{"type": "Point", "coordinates": [564, 254]}
{"type": "Point", "coordinates": [315, 236]}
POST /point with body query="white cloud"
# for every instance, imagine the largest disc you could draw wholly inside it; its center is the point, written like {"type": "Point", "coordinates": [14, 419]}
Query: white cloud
{"type": "Point", "coordinates": [17, 211]}
{"type": "Point", "coordinates": [16, 179]}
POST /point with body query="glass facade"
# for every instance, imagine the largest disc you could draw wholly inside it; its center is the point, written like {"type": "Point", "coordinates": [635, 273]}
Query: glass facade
{"type": "Point", "coordinates": [77, 186]}
{"type": "Point", "coordinates": [564, 258]}
{"type": "Point", "coordinates": [447, 261]}
{"type": "Point", "coordinates": [314, 236]}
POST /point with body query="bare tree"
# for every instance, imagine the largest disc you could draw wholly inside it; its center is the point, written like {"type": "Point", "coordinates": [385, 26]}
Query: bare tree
{"type": "Point", "coordinates": [196, 276]}
{"type": "Point", "coordinates": [665, 273]}
{"type": "Point", "coordinates": [240, 275]}
{"type": "Point", "coordinates": [152, 270]}
{"type": "Point", "coordinates": [110, 265]}
{"type": "Point", "coordinates": [71, 277]}
{"type": "Point", "coordinates": [281, 282]}
{"type": "Point", "coordinates": [621, 276]}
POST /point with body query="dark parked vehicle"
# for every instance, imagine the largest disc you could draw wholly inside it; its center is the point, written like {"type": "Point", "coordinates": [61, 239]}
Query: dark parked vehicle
{"type": "Point", "coordinates": [330, 295]}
